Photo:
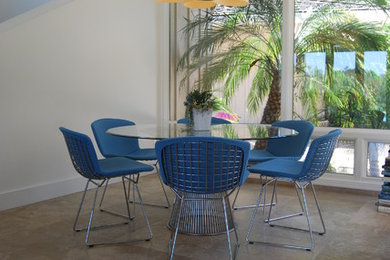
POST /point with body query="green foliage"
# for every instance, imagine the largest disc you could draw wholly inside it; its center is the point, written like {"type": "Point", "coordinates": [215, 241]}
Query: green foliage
{"type": "Point", "coordinates": [199, 99]}
{"type": "Point", "coordinates": [360, 106]}
{"type": "Point", "coordinates": [238, 42]}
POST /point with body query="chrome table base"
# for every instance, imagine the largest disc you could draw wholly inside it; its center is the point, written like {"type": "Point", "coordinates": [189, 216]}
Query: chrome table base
{"type": "Point", "coordinates": [200, 216]}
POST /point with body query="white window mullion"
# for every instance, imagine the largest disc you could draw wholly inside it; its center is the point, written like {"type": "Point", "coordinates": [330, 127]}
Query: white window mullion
{"type": "Point", "coordinates": [360, 170]}
{"type": "Point", "coordinates": [287, 59]}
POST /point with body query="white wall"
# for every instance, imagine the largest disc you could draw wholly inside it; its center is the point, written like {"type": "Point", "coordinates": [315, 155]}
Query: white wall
{"type": "Point", "coordinates": [80, 61]}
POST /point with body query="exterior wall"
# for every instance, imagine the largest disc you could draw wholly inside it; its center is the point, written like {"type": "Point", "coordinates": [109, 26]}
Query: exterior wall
{"type": "Point", "coordinates": [80, 61]}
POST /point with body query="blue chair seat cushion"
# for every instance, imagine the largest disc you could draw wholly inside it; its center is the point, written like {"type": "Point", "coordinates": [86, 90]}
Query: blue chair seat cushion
{"type": "Point", "coordinates": [143, 155]}
{"type": "Point", "coordinates": [260, 156]}
{"type": "Point", "coordinates": [119, 166]}
{"type": "Point", "coordinates": [279, 168]}
{"type": "Point", "coordinates": [264, 155]}
{"type": "Point", "coordinates": [139, 155]}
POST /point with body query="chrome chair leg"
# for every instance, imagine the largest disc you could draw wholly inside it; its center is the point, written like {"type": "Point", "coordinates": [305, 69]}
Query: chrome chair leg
{"type": "Point", "coordinates": [255, 212]}
{"type": "Point", "coordinates": [235, 198]}
{"type": "Point", "coordinates": [89, 228]}
{"type": "Point", "coordinates": [299, 197]}
{"type": "Point", "coordinates": [308, 221]}
{"type": "Point", "coordinates": [144, 213]}
{"type": "Point", "coordinates": [162, 186]}
{"type": "Point", "coordinates": [264, 204]}
{"type": "Point", "coordinates": [79, 210]}
{"type": "Point", "coordinates": [319, 210]}
{"type": "Point", "coordinates": [272, 200]}
{"type": "Point", "coordinates": [75, 228]}
{"type": "Point", "coordinates": [269, 221]}
{"type": "Point", "coordinates": [91, 217]}
{"type": "Point", "coordinates": [172, 241]}
{"type": "Point", "coordinates": [110, 211]}
{"type": "Point", "coordinates": [228, 233]}
{"type": "Point", "coordinates": [126, 199]}
{"type": "Point", "coordinates": [103, 195]}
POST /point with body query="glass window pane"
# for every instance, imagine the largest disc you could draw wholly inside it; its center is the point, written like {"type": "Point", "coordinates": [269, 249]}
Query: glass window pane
{"type": "Point", "coordinates": [341, 64]}
{"type": "Point", "coordinates": [343, 158]}
{"type": "Point", "coordinates": [376, 154]}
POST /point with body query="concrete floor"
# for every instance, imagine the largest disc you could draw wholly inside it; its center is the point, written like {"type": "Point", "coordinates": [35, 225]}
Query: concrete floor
{"type": "Point", "coordinates": [355, 230]}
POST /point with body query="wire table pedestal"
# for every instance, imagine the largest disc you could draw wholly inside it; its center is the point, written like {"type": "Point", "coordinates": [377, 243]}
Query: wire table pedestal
{"type": "Point", "coordinates": [200, 216]}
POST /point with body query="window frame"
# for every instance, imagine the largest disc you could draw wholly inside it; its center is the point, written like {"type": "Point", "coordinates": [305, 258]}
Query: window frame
{"type": "Point", "coordinates": [359, 179]}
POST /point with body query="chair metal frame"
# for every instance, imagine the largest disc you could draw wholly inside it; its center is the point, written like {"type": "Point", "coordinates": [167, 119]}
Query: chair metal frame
{"type": "Point", "coordinates": [295, 154]}
{"type": "Point", "coordinates": [201, 169]}
{"type": "Point", "coordinates": [98, 133]}
{"type": "Point", "coordinates": [85, 162]}
{"type": "Point", "coordinates": [315, 164]}
{"type": "Point", "coordinates": [89, 227]}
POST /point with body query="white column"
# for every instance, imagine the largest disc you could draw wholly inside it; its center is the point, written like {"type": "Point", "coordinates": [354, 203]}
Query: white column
{"type": "Point", "coordinates": [287, 59]}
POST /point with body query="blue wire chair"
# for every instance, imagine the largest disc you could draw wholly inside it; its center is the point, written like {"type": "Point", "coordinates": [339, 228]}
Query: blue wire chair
{"type": "Point", "coordinates": [292, 148]}
{"type": "Point", "coordinates": [301, 174]}
{"type": "Point", "coordinates": [99, 172]}
{"type": "Point", "coordinates": [200, 170]}
{"type": "Point", "coordinates": [214, 121]}
{"type": "Point", "coordinates": [113, 146]}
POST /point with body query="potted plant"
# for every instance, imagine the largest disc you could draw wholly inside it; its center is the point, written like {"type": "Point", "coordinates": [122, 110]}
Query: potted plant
{"type": "Point", "coordinates": [199, 108]}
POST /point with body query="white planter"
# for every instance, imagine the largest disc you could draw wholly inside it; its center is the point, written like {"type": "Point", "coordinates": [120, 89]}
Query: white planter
{"type": "Point", "coordinates": [202, 119]}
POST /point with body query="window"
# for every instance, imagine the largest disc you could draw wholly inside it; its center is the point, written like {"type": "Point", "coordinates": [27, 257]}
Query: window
{"type": "Point", "coordinates": [377, 152]}
{"type": "Point", "coordinates": [340, 80]}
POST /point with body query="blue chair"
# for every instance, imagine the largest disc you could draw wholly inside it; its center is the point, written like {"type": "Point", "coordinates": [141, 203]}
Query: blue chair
{"type": "Point", "coordinates": [99, 172]}
{"type": "Point", "coordinates": [214, 121]}
{"type": "Point", "coordinates": [292, 147]}
{"type": "Point", "coordinates": [113, 146]}
{"type": "Point", "coordinates": [301, 174]}
{"type": "Point", "coordinates": [202, 170]}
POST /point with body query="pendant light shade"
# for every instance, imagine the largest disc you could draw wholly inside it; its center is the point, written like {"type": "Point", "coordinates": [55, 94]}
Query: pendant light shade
{"type": "Point", "coordinates": [200, 4]}
{"type": "Point", "coordinates": [232, 2]}
{"type": "Point", "coordinates": [203, 4]}
{"type": "Point", "coordinates": [172, 1]}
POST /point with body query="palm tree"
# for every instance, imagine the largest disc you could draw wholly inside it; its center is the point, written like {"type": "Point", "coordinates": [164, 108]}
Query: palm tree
{"type": "Point", "coordinates": [238, 41]}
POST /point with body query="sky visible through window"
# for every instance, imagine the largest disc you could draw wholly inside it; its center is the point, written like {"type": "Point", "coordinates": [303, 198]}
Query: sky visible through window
{"type": "Point", "coordinates": [343, 61]}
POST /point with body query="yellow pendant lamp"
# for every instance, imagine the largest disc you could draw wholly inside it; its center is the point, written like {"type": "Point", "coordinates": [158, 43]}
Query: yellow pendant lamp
{"type": "Point", "coordinates": [201, 4]}
{"type": "Point", "coordinates": [232, 2]}
{"type": "Point", "coordinates": [198, 4]}
{"type": "Point", "coordinates": [172, 1]}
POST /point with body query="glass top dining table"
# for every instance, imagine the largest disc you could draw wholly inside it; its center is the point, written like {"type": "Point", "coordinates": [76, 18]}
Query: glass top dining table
{"type": "Point", "coordinates": [204, 221]}
{"type": "Point", "coordinates": [173, 129]}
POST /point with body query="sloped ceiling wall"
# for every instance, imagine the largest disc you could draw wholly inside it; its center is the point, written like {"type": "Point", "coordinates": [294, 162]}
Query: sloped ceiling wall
{"type": "Point", "coordinates": [12, 8]}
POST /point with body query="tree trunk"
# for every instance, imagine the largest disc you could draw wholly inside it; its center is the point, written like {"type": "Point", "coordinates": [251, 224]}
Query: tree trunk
{"type": "Point", "coordinates": [272, 108]}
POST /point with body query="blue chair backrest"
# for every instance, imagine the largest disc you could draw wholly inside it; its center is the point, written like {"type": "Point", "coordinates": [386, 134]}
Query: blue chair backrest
{"type": "Point", "coordinates": [292, 146]}
{"type": "Point", "coordinates": [203, 165]}
{"type": "Point", "coordinates": [82, 153]}
{"type": "Point", "coordinates": [110, 145]}
{"type": "Point", "coordinates": [319, 155]}
{"type": "Point", "coordinates": [214, 121]}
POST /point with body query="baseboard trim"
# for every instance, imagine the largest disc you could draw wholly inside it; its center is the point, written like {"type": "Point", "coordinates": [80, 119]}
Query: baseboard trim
{"type": "Point", "coordinates": [32, 194]}
{"type": "Point", "coordinates": [37, 193]}
{"type": "Point", "coordinates": [329, 181]}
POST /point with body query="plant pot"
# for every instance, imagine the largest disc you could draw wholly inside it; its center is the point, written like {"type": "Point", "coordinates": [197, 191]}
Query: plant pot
{"type": "Point", "coordinates": [202, 119]}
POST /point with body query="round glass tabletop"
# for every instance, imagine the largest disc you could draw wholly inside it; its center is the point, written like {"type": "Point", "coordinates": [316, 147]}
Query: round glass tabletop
{"type": "Point", "coordinates": [173, 129]}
